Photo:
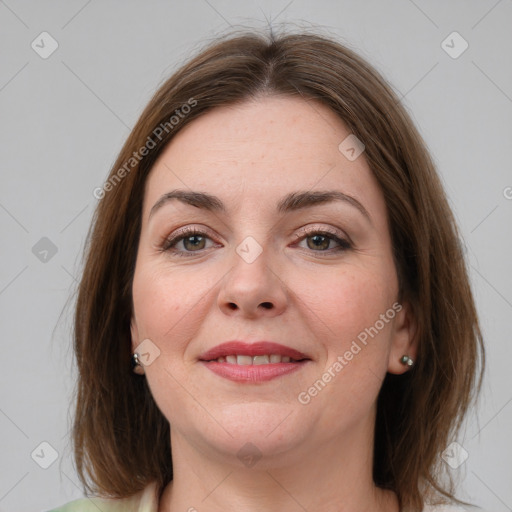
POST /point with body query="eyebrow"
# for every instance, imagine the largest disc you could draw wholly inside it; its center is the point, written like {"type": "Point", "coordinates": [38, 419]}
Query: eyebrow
{"type": "Point", "coordinates": [291, 202]}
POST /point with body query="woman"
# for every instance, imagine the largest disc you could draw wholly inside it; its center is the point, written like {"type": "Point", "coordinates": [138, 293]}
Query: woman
{"type": "Point", "coordinates": [274, 255]}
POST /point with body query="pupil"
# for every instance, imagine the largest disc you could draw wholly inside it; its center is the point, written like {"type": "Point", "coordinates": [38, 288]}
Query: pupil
{"type": "Point", "coordinates": [325, 240]}
{"type": "Point", "coordinates": [198, 238]}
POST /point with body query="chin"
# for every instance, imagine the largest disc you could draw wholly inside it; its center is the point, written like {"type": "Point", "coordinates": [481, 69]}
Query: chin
{"type": "Point", "coordinates": [263, 431]}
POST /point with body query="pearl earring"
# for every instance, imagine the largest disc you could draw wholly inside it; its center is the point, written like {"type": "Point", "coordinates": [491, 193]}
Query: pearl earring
{"type": "Point", "coordinates": [136, 365]}
{"type": "Point", "coordinates": [406, 360]}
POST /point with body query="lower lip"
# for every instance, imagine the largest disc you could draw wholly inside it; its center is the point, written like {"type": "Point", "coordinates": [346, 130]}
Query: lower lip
{"type": "Point", "coordinates": [253, 372]}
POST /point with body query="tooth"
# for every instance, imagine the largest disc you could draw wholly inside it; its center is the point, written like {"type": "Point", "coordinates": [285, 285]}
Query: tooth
{"type": "Point", "coordinates": [260, 360]}
{"type": "Point", "coordinates": [245, 360]}
{"type": "Point", "coordinates": [256, 360]}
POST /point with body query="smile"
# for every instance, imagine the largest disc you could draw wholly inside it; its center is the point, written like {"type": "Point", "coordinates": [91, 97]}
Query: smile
{"type": "Point", "coordinates": [253, 362]}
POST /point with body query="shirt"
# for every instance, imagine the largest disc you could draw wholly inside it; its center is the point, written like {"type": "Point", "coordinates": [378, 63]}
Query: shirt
{"type": "Point", "coordinates": [147, 501]}
{"type": "Point", "coordinates": [144, 501]}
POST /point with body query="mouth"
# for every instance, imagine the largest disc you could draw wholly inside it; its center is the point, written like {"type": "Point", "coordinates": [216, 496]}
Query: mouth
{"type": "Point", "coordinates": [245, 360]}
{"type": "Point", "coordinates": [260, 361]}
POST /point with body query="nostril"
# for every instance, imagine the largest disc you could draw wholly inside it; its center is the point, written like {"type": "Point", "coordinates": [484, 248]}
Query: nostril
{"type": "Point", "coordinates": [267, 305]}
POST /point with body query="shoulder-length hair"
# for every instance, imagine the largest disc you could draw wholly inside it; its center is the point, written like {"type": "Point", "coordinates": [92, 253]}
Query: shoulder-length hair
{"type": "Point", "coordinates": [121, 439]}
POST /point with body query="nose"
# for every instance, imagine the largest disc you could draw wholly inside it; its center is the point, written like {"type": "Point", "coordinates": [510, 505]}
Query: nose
{"type": "Point", "coordinates": [253, 290]}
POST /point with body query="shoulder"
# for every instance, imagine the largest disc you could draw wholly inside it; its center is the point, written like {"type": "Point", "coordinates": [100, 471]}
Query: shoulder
{"type": "Point", "coordinates": [144, 501]}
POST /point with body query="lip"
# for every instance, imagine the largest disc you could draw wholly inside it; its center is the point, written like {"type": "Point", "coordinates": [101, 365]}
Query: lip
{"type": "Point", "coordinates": [258, 348]}
{"type": "Point", "coordinates": [252, 373]}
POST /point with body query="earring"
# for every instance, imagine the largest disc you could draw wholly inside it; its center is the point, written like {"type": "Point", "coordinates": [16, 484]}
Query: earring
{"type": "Point", "coordinates": [406, 360]}
{"type": "Point", "coordinates": [136, 365]}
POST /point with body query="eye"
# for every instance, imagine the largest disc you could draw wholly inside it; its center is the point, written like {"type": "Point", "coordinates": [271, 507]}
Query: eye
{"type": "Point", "coordinates": [320, 240]}
{"type": "Point", "coordinates": [193, 240]}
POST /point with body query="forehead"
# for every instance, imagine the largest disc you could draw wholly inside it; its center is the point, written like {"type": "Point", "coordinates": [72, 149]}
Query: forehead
{"type": "Point", "coordinates": [257, 151]}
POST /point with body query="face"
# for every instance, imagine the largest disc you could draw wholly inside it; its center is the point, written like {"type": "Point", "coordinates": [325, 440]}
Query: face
{"type": "Point", "coordinates": [293, 249]}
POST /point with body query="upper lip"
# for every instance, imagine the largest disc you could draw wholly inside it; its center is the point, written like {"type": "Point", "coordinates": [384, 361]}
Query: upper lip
{"type": "Point", "coordinates": [258, 348]}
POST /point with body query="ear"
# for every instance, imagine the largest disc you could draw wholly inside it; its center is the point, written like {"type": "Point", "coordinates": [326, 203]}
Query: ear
{"type": "Point", "coordinates": [404, 339]}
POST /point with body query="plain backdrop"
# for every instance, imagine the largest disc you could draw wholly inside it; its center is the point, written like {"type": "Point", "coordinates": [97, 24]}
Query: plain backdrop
{"type": "Point", "coordinates": [65, 115]}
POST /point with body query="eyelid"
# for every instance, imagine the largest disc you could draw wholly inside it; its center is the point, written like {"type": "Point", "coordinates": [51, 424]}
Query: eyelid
{"type": "Point", "coordinates": [191, 227]}
{"type": "Point", "coordinates": [181, 233]}
{"type": "Point", "coordinates": [341, 238]}
{"type": "Point", "coordinates": [325, 229]}
{"type": "Point", "coordinates": [318, 227]}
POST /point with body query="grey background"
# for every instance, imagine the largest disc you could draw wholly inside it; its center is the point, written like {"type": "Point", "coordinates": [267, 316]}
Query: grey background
{"type": "Point", "coordinates": [64, 119]}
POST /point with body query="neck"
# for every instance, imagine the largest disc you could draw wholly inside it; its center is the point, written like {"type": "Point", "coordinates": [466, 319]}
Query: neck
{"type": "Point", "coordinates": [334, 476]}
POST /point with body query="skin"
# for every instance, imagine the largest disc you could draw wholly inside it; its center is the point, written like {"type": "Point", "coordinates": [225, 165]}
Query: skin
{"type": "Point", "coordinates": [314, 456]}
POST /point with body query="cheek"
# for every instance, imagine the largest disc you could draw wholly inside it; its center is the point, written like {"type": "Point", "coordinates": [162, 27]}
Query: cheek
{"type": "Point", "coordinates": [347, 302]}
{"type": "Point", "coordinates": [353, 313]}
{"type": "Point", "coordinates": [164, 302]}
{"type": "Point", "coordinates": [356, 315]}
{"type": "Point", "coordinates": [167, 308]}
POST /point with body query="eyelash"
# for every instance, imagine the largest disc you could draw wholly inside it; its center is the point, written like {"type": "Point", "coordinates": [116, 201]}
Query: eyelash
{"type": "Point", "coordinates": [168, 244]}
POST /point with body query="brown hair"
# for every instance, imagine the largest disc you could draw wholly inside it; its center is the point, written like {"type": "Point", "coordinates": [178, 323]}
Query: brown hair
{"type": "Point", "coordinates": [121, 439]}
